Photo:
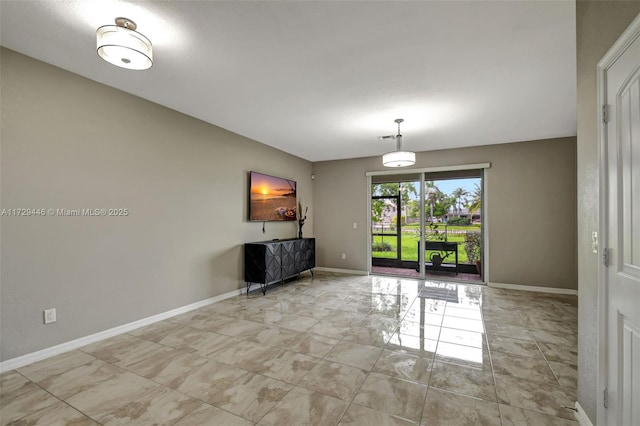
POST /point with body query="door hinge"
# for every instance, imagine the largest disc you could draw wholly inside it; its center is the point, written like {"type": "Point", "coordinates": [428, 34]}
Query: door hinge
{"type": "Point", "coordinates": [605, 398]}
{"type": "Point", "coordinates": [605, 256]}
{"type": "Point", "coordinates": [605, 117]}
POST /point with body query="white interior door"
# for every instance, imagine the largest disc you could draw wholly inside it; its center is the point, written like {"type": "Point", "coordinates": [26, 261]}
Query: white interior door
{"type": "Point", "coordinates": [621, 132]}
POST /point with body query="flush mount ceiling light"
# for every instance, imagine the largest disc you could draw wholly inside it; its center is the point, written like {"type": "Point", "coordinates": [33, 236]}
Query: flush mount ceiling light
{"type": "Point", "coordinates": [123, 46]}
{"type": "Point", "coordinates": [397, 158]}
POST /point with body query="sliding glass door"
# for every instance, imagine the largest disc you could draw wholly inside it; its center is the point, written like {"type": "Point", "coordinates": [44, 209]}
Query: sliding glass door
{"type": "Point", "coordinates": [428, 225]}
{"type": "Point", "coordinates": [395, 226]}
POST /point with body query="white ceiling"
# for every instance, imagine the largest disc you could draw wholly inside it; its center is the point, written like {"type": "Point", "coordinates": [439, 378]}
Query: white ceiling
{"type": "Point", "coordinates": [322, 79]}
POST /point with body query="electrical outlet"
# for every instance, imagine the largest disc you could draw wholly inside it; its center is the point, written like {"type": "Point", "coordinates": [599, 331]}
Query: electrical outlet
{"type": "Point", "coordinates": [50, 315]}
{"type": "Point", "coordinates": [344, 256]}
{"type": "Point", "coordinates": [355, 225]}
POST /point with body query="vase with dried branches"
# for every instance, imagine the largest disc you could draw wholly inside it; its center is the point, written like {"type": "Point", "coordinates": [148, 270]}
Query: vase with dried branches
{"type": "Point", "coordinates": [301, 218]}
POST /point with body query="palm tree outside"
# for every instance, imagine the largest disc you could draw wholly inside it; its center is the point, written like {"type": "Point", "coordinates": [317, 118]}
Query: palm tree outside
{"type": "Point", "coordinates": [459, 194]}
{"type": "Point", "coordinates": [476, 199]}
{"type": "Point", "coordinates": [433, 195]}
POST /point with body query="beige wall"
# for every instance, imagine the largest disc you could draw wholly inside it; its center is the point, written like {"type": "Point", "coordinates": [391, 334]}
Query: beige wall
{"type": "Point", "coordinates": [598, 26]}
{"type": "Point", "coordinates": [531, 209]}
{"type": "Point", "coordinates": [69, 142]}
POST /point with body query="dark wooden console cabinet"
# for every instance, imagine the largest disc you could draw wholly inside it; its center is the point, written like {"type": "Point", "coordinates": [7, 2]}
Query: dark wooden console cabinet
{"type": "Point", "coordinates": [266, 262]}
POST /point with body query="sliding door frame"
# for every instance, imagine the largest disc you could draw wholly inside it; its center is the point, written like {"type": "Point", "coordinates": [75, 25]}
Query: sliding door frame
{"type": "Point", "coordinates": [422, 173]}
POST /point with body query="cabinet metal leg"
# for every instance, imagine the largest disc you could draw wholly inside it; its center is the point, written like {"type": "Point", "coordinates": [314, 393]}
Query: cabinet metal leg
{"type": "Point", "coordinates": [263, 288]}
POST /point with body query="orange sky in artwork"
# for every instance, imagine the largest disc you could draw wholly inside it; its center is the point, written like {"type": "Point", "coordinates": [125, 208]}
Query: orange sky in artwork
{"type": "Point", "coordinates": [269, 185]}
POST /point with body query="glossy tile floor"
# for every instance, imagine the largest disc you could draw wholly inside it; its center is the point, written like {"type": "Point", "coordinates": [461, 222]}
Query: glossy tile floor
{"type": "Point", "coordinates": [431, 275]}
{"type": "Point", "coordinates": [325, 351]}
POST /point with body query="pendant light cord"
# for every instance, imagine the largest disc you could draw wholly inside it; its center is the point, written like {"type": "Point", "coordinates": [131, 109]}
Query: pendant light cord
{"type": "Point", "coordinates": [399, 136]}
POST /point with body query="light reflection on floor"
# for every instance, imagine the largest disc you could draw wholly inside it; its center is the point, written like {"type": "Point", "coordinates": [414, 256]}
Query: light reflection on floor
{"type": "Point", "coordinates": [444, 322]}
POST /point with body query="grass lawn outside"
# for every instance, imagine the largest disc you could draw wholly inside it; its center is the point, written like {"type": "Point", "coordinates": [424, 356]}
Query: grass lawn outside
{"type": "Point", "coordinates": [410, 239]}
{"type": "Point", "coordinates": [441, 227]}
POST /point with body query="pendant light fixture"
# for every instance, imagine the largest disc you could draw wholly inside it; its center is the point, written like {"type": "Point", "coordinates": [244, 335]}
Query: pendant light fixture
{"type": "Point", "coordinates": [123, 46]}
{"type": "Point", "coordinates": [397, 158]}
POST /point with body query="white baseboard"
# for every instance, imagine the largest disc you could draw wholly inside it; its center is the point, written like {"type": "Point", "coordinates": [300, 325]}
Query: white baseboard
{"type": "Point", "coordinates": [534, 288]}
{"type": "Point", "coordinates": [12, 364]}
{"type": "Point", "coordinates": [341, 271]}
{"type": "Point", "coordinates": [581, 416]}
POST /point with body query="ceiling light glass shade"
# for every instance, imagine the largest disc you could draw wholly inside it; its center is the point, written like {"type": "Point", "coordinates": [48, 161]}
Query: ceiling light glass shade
{"type": "Point", "coordinates": [124, 47]}
{"type": "Point", "coordinates": [399, 159]}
